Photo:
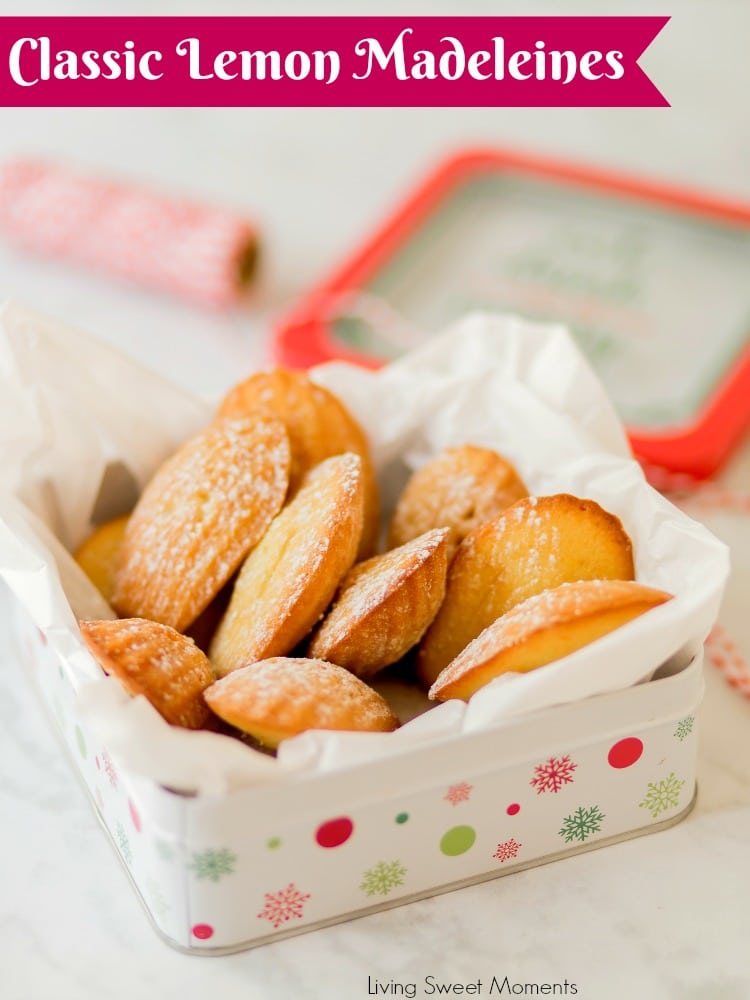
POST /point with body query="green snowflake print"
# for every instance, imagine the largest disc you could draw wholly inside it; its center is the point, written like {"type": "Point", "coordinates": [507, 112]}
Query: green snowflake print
{"type": "Point", "coordinates": [165, 850]}
{"type": "Point", "coordinates": [155, 898]}
{"type": "Point", "coordinates": [383, 878]}
{"type": "Point", "coordinates": [581, 824]}
{"type": "Point", "coordinates": [213, 864]}
{"type": "Point", "coordinates": [123, 843]}
{"type": "Point", "coordinates": [662, 795]}
{"type": "Point", "coordinates": [684, 728]}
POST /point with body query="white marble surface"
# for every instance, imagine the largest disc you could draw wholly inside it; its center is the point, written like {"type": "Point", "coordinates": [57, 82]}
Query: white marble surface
{"type": "Point", "coordinates": [664, 916]}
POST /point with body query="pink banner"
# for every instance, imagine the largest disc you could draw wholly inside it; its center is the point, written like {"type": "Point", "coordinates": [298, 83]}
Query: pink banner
{"type": "Point", "coordinates": [326, 62]}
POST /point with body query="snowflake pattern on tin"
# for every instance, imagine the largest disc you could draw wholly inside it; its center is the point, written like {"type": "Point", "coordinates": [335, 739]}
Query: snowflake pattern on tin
{"type": "Point", "coordinates": [155, 898]}
{"type": "Point", "coordinates": [662, 795]}
{"type": "Point", "coordinates": [213, 864]}
{"type": "Point", "coordinates": [383, 878]}
{"type": "Point", "coordinates": [684, 728]}
{"type": "Point", "coordinates": [581, 824]}
{"type": "Point", "coordinates": [553, 774]}
{"type": "Point", "coordinates": [286, 904]}
{"type": "Point", "coordinates": [507, 849]}
{"type": "Point", "coordinates": [123, 843]}
{"type": "Point", "coordinates": [109, 769]}
{"type": "Point", "coordinates": [459, 793]}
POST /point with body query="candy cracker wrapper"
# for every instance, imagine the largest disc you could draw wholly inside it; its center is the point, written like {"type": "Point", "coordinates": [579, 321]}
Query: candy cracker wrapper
{"type": "Point", "coordinates": [83, 428]}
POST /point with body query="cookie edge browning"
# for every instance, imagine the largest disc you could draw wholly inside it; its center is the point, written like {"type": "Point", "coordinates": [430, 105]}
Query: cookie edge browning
{"type": "Point", "coordinates": [270, 735]}
{"type": "Point", "coordinates": [431, 657]}
{"type": "Point", "coordinates": [340, 553]}
{"type": "Point", "coordinates": [598, 608]}
{"type": "Point", "coordinates": [98, 635]}
{"type": "Point", "coordinates": [426, 571]}
{"type": "Point", "coordinates": [101, 571]}
{"type": "Point", "coordinates": [463, 459]}
{"type": "Point", "coordinates": [320, 398]}
{"type": "Point", "coordinates": [131, 598]}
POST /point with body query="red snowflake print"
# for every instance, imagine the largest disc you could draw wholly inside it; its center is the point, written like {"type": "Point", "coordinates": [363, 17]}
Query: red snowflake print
{"type": "Point", "coordinates": [553, 774]}
{"type": "Point", "coordinates": [284, 905]}
{"type": "Point", "coordinates": [507, 850]}
{"type": "Point", "coordinates": [109, 769]}
{"type": "Point", "coordinates": [458, 793]}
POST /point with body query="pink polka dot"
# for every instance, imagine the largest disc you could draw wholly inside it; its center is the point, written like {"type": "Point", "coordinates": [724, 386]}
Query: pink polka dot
{"type": "Point", "coordinates": [334, 832]}
{"type": "Point", "coordinates": [625, 752]}
{"type": "Point", "coordinates": [134, 816]}
{"type": "Point", "coordinates": [203, 931]}
{"type": "Point", "coordinates": [513, 809]}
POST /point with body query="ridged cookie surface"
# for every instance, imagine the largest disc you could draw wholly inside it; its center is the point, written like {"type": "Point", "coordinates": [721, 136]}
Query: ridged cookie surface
{"type": "Point", "coordinates": [459, 489]}
{"type": "Point", "coordinates": [319, 426]}
{"type": "Point", "coordinates": [384, 606]}
{"type": "Point", "coordinates": [537, 543]}
{"type": "Point", "coordinates": [157, 662]}
{"type": "Point", "coordinates": [280, 697]}
{"type": "Point", "coordinates": [199, 516]}
{"type": "Point", "coordinates": [290, 578]}
{"type": "Point", "coordinates": [544, 628]}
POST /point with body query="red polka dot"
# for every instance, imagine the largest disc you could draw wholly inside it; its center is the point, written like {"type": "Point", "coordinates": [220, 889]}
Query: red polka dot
{"type": "Point", "coordinates": [625, 752]}
{"type": "Point", "coordinates": [334, 832]}
{"type": "Point", "coordinates": [134, 816]}
{"type": "Point", "coordinates": [203, 931]}
{"type": "Point", "coordinates": [513, 808]}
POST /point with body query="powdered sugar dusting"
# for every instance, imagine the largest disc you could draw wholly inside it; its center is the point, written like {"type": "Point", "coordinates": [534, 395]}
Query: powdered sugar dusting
{"type": "Point", "coordinates": [291, 577]}
{"type": "Point", "coordinates": [294, 695]}
{"type": "Point", "coordinates": [199, 516]}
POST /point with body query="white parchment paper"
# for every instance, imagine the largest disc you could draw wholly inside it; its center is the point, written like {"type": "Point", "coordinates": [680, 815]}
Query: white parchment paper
{"type": "Point", "coordinates": [82, 428]}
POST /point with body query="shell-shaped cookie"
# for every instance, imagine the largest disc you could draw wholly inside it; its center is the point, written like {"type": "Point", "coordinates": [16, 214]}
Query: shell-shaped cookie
{"type": "Point", "coordinates": [537, 543]}
{"type": "Point", "coordinates": [319, 426]}
{"type": "Point", "coordinates": [545, 628]}
{"type": "Point", "coordinates": [280, 697]}
{"type": "Point", "coordinates": [157, 662]}
{"type": "Point", "coordinates": [98, 556]}
{"type": "Point", "coordinates": [458, 489]}
{"type": "Point", "coordinates": [290, 578]}
{"type": "Point", "coordinates": [199, 516]}
{"type": "Point", "coordinates": [384, 606]}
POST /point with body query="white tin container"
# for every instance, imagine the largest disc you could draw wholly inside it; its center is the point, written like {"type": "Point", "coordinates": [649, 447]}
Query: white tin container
{"type": "Point", "coordinates": [224, 873]}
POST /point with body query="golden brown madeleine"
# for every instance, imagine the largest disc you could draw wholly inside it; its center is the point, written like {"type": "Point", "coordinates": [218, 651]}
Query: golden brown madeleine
{"type": "Point", "coordinates": [197, 519]}
{"type": "Point", "coordinates": [319, 426]}
{"type": "Point", "coordinates": [289, 579]}
{"type": "Point", "coordinates": [99, 555]}
{"type": "Point", "coordinates": [384, 606]}
{"type": "Point", "coordinates": [280, 697]}
{"type": "Point", "coordinates": [537, 543]}
{"type": "Point", "coordinates": [459, 489]}
{"type": "Point", "coordinates": [157, 662]}
{"type": "Point", "coordinates": [542, 629]}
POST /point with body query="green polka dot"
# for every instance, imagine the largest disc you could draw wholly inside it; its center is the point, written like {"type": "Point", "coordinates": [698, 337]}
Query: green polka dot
{"type": "Point", "coordinates": [81, 742]}
{"type": "Point", "coordinates": [273, 843]}
{"type": "Point", "coordinates": [402, 817]}
{"type": "Point", "coordinates": [458, 840]}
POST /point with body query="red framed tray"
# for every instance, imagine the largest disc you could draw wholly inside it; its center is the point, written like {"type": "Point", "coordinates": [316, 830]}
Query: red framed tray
{"type": "Point", "coordinates": [651, 280]}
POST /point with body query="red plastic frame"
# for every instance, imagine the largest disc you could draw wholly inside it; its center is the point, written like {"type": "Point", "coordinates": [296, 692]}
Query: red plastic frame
{"type": "Point", "coordinates": [697, 448]}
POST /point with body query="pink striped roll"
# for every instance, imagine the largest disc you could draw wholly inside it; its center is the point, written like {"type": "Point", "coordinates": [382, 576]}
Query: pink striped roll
{"type": "Point", "coordinates": [171, 244]}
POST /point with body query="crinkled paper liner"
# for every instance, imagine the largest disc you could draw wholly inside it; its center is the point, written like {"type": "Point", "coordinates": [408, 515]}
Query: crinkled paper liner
{"type": "Point", "coordinates": [83, 428]}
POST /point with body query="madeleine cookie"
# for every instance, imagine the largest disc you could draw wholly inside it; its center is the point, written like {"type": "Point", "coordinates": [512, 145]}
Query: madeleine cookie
{"type": "Point", "coordinates": [289, 579]}
{"type": "Point", "coordinates": [197, 519]}
{"type": "Point", "coordinates": [319, 426]}
{"type": "Point", "coordinates": [99, 555]}
{"type": "Point", "coordinates": [542, 629]}
{"type": "Point", "coordinates": [384, 606]}
{"type": "Point", "coordinates": [280, 697]}
{"type": "Point", "coordinates": [153, 660]}
{"type": "Point", "coordinates": [537, 543]}
{"type": "Point", "coordinates": [458, 489]}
